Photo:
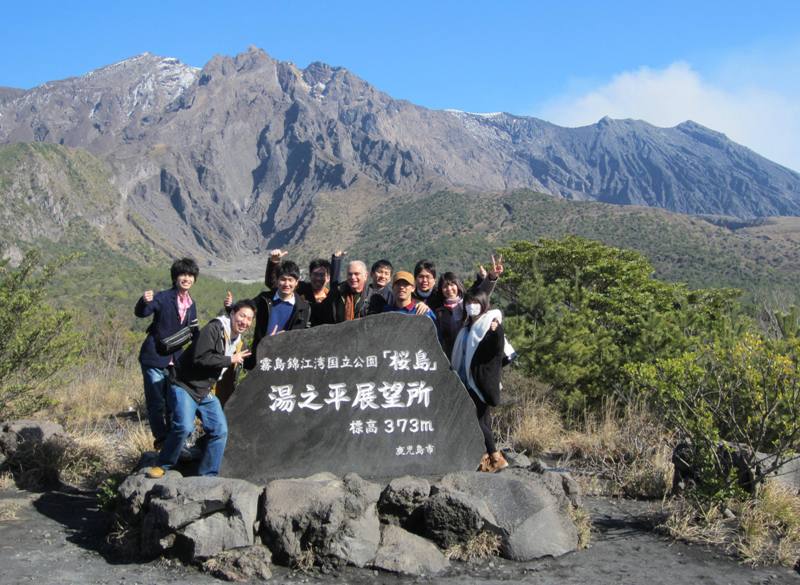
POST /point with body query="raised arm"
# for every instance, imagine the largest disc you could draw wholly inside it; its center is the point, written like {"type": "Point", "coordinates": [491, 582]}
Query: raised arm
{"type": "Point", "coordinates": [273, 263]}
{"type": "Point", "coordinates": [488, 279]}
{"type": "Point", "coordinates": [145, 305]}
{"type": "Point", "coordinates": [336, 267]}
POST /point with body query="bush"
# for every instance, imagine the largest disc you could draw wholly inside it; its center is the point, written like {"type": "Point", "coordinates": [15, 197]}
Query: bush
{"type": "Point", "coordinates": [37, 343]}
{"type": "Point", "coordinates": [733, 400]}
{"type": "Point", "coordinates": [579, 311]}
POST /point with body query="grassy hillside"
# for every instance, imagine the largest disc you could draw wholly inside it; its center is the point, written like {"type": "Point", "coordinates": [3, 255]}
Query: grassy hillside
{"type": "Point", "coordinates": [106, 282]}
{"type": "Point", "coordinates": [459, 229]}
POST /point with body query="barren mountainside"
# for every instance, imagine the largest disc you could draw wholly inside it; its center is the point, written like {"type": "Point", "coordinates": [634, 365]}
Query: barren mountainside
{"type": "Point", "coordinates": [233, 157]}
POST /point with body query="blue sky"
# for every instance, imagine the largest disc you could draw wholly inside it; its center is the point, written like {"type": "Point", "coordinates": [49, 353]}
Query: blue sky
{"type": "Point", "coordinates": [733, 66]}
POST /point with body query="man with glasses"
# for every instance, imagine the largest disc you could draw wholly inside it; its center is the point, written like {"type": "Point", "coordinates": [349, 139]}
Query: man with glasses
{"type": "Point", "coordinates": [425, 285]}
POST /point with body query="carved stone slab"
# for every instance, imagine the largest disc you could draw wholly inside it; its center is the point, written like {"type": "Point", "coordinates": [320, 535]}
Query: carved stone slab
{"type": "Point", "coordinates": [374, 396]}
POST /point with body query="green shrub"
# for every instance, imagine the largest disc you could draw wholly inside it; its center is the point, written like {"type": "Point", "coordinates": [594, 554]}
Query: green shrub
{"type": "Point", "coordinates": [735, 397]}
{"type": "Point", "coordinates": [579, 311]}
{"type": "Point", "coordinates": [37, 343]}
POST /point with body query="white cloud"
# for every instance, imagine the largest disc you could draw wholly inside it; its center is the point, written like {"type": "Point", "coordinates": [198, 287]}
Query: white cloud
{"type": "Point", "coordinates": [762, 117]}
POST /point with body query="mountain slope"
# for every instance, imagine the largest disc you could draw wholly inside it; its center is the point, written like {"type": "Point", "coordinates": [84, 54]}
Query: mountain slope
{"type": "Point", "coordinates": [235, 158]}
{"type": "Point", "coordinates": [457, 230]}
{"type": "Point", "coordinates": [63, 200]}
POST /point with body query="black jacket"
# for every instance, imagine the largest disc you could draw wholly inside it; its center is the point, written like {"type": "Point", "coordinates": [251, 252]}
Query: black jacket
{"type": "Point", "coordinates": [199, 367]}
{"type": "Point", "coordinates": [434, 300]}
{"type": "Point", "coordinates": [447, 324]}
{"type": "Point", "coordinates": [297, 320]}
{"type": "Point", "coordinates": [321, 312]}
{"type": "Point", "coordinates": [369, 302]}
{"type": "Point", "coordinates": [487, 365]}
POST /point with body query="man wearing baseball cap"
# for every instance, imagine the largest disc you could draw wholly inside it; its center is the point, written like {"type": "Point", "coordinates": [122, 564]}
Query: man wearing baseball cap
{"type": "Point", "coordinates": [403, 289]}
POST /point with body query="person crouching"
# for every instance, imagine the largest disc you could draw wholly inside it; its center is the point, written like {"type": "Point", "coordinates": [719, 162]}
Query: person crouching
{"type": "Point", "coordinates": [217, 348]}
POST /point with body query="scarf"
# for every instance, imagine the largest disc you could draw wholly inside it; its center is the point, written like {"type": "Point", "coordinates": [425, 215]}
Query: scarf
{"type": "Point", "coordinates": [467, 342]}
{"type": "Point", "coordinates": [231, 345]}
{"type": "Point", "coordinates": [350, 307]}
{"type": "Point", "coordinates": [450, 303]}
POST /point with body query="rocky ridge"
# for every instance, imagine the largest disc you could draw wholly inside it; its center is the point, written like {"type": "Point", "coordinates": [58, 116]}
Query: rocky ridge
{"type": "Point", "coordinates": [231, 159]}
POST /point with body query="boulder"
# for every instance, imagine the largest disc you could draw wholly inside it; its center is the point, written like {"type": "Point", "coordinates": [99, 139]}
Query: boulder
{"type": "Point", "coordinates": [406, 553]}
{"type": "Point", "coordinates": [241, 564]}
{"type": "Point", "coordinates": [195, 517]}
{"type": "Point", "coordinates": [452, 516]}
{"type": "Point", "coordinates": [335, 520]}
{"type": "Point", "coordinates": [789, 474]}
{"type": "Point", "coordinates": [561, 482]}
{"type": "Point", "coordinates": [516, 459]}
{"type": "Point", "coordinates": [373, 396]}
{"type": "Point", "coordinates": [747, 465]}
{"type": "Point", "coordinates": [14, 434]}
{"type": "Point", "coordinates": [531, 516]}
{"type": "Point", "coordinates": [401, 501]}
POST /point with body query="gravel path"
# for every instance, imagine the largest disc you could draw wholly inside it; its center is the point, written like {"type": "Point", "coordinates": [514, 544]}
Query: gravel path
{"type": "Point", "coordinates": [57, 538]}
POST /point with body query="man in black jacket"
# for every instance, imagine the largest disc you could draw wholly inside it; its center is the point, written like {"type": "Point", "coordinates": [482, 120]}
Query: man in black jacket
{"type": "Point", "coordinates": [217, 348]}
{"type": "Point", "coordinates": [279, 310]}
{"type": "Point", "coordinates": [316, 290]}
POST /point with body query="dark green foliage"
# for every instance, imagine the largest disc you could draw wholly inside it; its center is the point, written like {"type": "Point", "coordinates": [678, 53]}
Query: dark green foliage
{"type": "Point", "coordinates": [37, 343]}
{"type": "Point", "coordinates": [579, 311]}
{"type": "Point", "coordinates": [734, 399]}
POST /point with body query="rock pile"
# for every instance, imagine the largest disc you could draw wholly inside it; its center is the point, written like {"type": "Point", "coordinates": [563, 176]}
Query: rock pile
{"type": "Point", "coordinates": [405, 526]}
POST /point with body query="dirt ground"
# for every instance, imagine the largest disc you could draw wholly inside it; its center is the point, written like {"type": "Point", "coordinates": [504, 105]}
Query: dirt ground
{"type": "Point", "coordinates": [58, 538]}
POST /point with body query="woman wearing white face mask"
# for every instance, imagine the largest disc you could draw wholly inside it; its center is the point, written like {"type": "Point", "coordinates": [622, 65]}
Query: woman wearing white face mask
{"type": "Point", "coordinates": [477, 357]}
{"type": "Point", "coordinates": [450, 317]}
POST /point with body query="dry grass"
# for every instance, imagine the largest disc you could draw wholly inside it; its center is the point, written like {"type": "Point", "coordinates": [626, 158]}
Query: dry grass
{"type": "Point", "coordinates": [761, 531]}
{"type": "Point", "coordinates": [88, 459]}
{"type": "Point", "coordinates": [539, 428]}
{"type": "Point", "coordinates": [621, 451]}
{"type": "Point", "coordinates": [627, 446]}
{"type": "Point", "coordinates": [84, 458]}
{"type": "Point", "coordinates": [9, 510]}
{"type": "Point", "coordinates": [304, 561]}
{"type": "Point", "coordinates": [124, 539]}
{"type": "Point", "coordinates": [526, 419]}
{"type": "Point", "coordinates": [6, 480]}
{"type": "Point", "coordinates": [481, 546]}
{"type": "Point", "coordinates": [701, 524]}
{"type": "Point", "coordinates": [97, 394]}
{"type": "Point", "coordinates": [135, 441]}
{"type": "Point", "coordinates": [100, 443]}
{"type": "Point", "coordinates": [583, 523]}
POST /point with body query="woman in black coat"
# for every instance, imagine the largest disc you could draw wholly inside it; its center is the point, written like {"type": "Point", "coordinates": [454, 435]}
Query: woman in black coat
{"type": "Point", "coordinates": [478, 355]}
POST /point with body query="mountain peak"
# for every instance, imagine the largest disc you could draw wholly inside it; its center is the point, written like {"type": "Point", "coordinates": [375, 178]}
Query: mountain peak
{"type": "Point", "coordinates": [267, 137]}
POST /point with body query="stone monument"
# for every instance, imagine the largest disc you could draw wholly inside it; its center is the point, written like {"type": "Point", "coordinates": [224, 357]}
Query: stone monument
{"type": "Point", "coordinates": [375, 396]}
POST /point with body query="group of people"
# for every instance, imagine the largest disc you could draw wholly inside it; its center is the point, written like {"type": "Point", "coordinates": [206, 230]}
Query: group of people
{"type": "Point", "coordinates": [181, 386]}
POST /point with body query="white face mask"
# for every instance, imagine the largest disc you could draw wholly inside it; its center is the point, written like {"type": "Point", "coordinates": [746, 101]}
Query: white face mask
{"type": "Point", "coordinates": [473, 309]}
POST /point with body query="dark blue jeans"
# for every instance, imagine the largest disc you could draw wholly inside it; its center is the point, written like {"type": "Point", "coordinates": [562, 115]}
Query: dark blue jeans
{"type": "Point", "coordinates": [184, 410]}
{"type": "Point", "coordinates": [156, 386]}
